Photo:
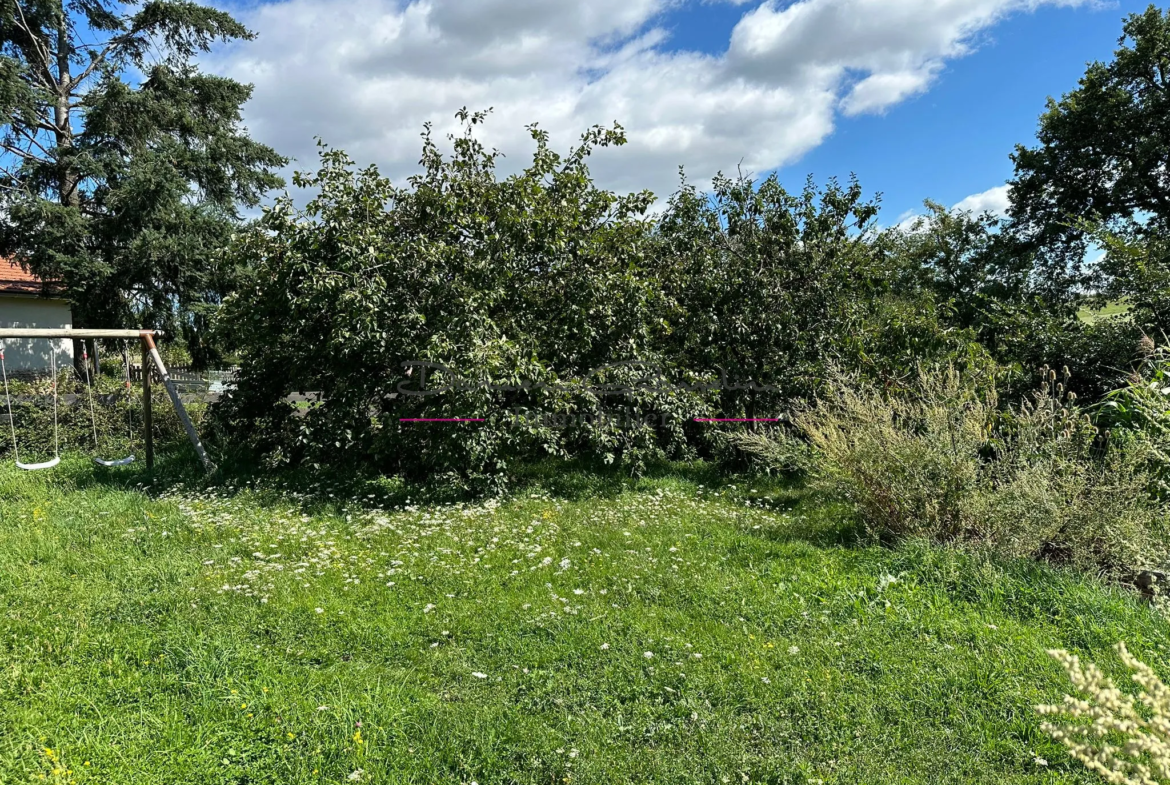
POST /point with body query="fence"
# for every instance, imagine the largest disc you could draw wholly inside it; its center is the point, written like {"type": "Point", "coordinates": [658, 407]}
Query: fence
{"type": "Point", "coordinates": [185, 377]}
{"type": "Point", "coordinates": [99, 399]}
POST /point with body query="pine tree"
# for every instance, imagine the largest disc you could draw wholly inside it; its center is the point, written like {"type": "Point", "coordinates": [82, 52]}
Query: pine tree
{"type": "Point", "coordinates": [123, 167]}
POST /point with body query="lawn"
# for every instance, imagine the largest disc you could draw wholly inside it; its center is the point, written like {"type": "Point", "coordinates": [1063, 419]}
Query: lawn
{"type": "Point", "coordinates": [586, 629]}
{"type": "Point", "coordinates": [1107, 311]}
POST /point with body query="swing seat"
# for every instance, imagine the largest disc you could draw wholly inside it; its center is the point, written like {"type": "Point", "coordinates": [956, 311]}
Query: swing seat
{"type": "Point", "coordinates": [119, 462]}
{"type": "Point", "coordinates": [32, 467]}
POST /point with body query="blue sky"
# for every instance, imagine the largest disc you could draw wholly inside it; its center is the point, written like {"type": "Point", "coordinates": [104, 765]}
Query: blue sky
{"type": "Point", "coordinates": [954, 140]}
{"type": "Point", "coordinates": [920, 98]}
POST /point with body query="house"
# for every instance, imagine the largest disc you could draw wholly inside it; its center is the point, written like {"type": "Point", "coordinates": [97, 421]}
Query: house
{"type": "Point", "coordinates": [26, 302]}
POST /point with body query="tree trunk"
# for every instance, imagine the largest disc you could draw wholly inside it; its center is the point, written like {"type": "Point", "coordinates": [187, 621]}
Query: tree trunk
{"type": "Point", "coordinates": [67, 184]}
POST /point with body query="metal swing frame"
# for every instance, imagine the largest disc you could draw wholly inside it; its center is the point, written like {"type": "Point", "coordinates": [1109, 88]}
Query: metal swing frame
{"type": "Point", "coordinates": [150, 356]}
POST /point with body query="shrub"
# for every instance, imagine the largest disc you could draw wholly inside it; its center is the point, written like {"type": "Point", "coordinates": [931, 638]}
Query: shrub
{"type": "Point", "coordinates": [761, 284]}
{"type": "Point", "coordinates": [1124, 738]}
{"type": "Point", "coordinates": [1139, 411]}
{"type": "Point", "coordinates": [901, 334]}
{"type": "Point", "coordinates": [773, 450]}
{"type": "Point", "coordinates": [115, 416]}
{"type": "Point", "coordinates": [1099, 355]}
{"type": "Point", "coordinates": [472, 284]}
{"type": "Point", "coordinates": [943, 461]}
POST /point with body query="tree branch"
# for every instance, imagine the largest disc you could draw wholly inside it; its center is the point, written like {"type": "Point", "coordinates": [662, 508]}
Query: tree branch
{"type": "Point", "coordinates": [32, 138]}
{"type": "Point", "coordinates": [100, 58]}
{"type": "Point", "coordinates": [24, 154]}
{"type": "Point", "coordinates": [38, 47]}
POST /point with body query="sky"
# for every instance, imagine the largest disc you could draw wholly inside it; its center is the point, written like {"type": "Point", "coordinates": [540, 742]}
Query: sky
{"type": "Point", "coordinates": [919, 98]}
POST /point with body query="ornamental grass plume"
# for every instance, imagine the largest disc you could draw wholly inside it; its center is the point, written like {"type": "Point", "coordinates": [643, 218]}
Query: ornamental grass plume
{"type": "Point", "coordinates": [1126, 738]}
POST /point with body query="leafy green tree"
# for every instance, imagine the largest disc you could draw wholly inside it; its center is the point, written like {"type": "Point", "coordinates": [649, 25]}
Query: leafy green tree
{"type": "Point", "coordinates": [1135, 270]}
{"type": "Point", "coordinates": [1103, 155]}
{"type": "Point", "coordinates": [492, 295]}
{"type": "Point", "coordinates": [123, 166]}
{"type": "Point", "coordinates": [960, 258]}
{"type": "Point", "coordinates": [766, 285]}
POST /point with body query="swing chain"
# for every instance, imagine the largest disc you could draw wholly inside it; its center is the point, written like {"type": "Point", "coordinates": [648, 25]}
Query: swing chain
{"type": "Point", "coordinates": [8, 400]}
{"type": "Point", "coordinates": [92, 411]}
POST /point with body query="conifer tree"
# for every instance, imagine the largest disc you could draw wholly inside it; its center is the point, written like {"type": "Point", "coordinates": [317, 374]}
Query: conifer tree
{"type": "Point", "coordinates": [123, 168]}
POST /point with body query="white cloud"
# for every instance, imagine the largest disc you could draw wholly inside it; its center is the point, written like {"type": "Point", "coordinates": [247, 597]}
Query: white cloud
{"type": "Point", "coordinates": [908, 220]}
{"type": "Point", "coordinates": [994, 201]}
{"type": "Point", "coordinates": [366, 74]}
{"type": "Point", "coordinates": [880, 91]}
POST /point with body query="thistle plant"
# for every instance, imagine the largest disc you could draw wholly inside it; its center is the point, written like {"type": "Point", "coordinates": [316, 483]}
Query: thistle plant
{"type": "Point", "coordinates": [1126, 738]}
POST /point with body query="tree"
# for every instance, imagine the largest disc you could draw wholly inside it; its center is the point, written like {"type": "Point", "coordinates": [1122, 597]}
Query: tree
{"type": "Point", "coordinates": [123, 167]}
{"type": "Point", "coordinates": [458, 294]}
{"type": "Point", "coordinates": [1103, 155]}
{"type": "Point", "coordinates": [767, 284]}
{"type": "Point", "coordinates": [959, 257]}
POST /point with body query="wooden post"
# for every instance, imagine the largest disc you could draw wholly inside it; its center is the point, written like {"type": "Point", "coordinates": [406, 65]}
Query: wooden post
{"type": "Point", "coordinates": [149, 354]}
{"type": "Point", "coordinates": [147, 413]}
{"type": "Point", "coordinates": [148, 342]}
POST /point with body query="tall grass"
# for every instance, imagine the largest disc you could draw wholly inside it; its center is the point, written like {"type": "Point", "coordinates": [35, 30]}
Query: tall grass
{"type": "Point", "coordinates": [945, 461]}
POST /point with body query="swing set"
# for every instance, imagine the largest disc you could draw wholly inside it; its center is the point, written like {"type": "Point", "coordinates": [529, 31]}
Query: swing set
{"type": "Point", "coordinates": [150, 356]}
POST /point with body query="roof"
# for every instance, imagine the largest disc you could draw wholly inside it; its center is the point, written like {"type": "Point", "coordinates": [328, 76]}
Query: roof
{"type": "Point", "coordinates": [15, 280]}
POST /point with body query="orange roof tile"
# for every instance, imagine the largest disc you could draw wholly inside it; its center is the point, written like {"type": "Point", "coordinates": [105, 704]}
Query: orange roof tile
{"type": "Point", "coordinates": [15, 280]}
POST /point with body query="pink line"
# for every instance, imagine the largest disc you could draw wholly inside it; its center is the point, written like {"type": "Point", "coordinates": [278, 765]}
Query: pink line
{"type": "Point", "coordinates": [437, 419]}
{"type": "Point", "coordinates": [737, 419]}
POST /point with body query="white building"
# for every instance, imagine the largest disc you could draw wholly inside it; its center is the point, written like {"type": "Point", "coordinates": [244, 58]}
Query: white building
{"type": "Point", "coordinates": [24, 302]}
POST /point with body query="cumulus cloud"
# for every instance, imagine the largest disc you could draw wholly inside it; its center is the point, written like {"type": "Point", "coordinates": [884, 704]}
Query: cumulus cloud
{"type": "Point", "coordinates": [365, 75]}
{"type": "Point", "coordinates": [994, 201]}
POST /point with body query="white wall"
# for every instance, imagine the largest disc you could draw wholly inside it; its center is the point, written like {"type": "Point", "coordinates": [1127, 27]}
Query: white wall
{"type": "Point", "coordinates": [26, 354]}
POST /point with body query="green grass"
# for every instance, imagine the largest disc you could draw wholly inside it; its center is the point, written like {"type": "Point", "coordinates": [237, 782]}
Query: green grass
{"type": "Point", "coordinates": [586, 630]}
{"type": "Point", "coordinates": [1107, 311]}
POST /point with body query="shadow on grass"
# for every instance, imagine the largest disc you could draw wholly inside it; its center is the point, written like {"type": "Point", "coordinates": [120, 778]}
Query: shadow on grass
{"type": "Point", "coordinates": [576, 479]}
{"type": "Point", "coordinates": [1022, 588]}
{"type": "Point", "coordinates": [824, 521]}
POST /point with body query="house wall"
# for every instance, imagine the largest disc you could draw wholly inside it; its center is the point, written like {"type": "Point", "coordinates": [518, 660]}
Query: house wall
{"type": "Point", "coordinates": [34, 354]}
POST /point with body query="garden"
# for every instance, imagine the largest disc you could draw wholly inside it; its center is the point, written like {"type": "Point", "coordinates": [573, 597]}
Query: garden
{"type": "Point", "coordinates": [519, 479]}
